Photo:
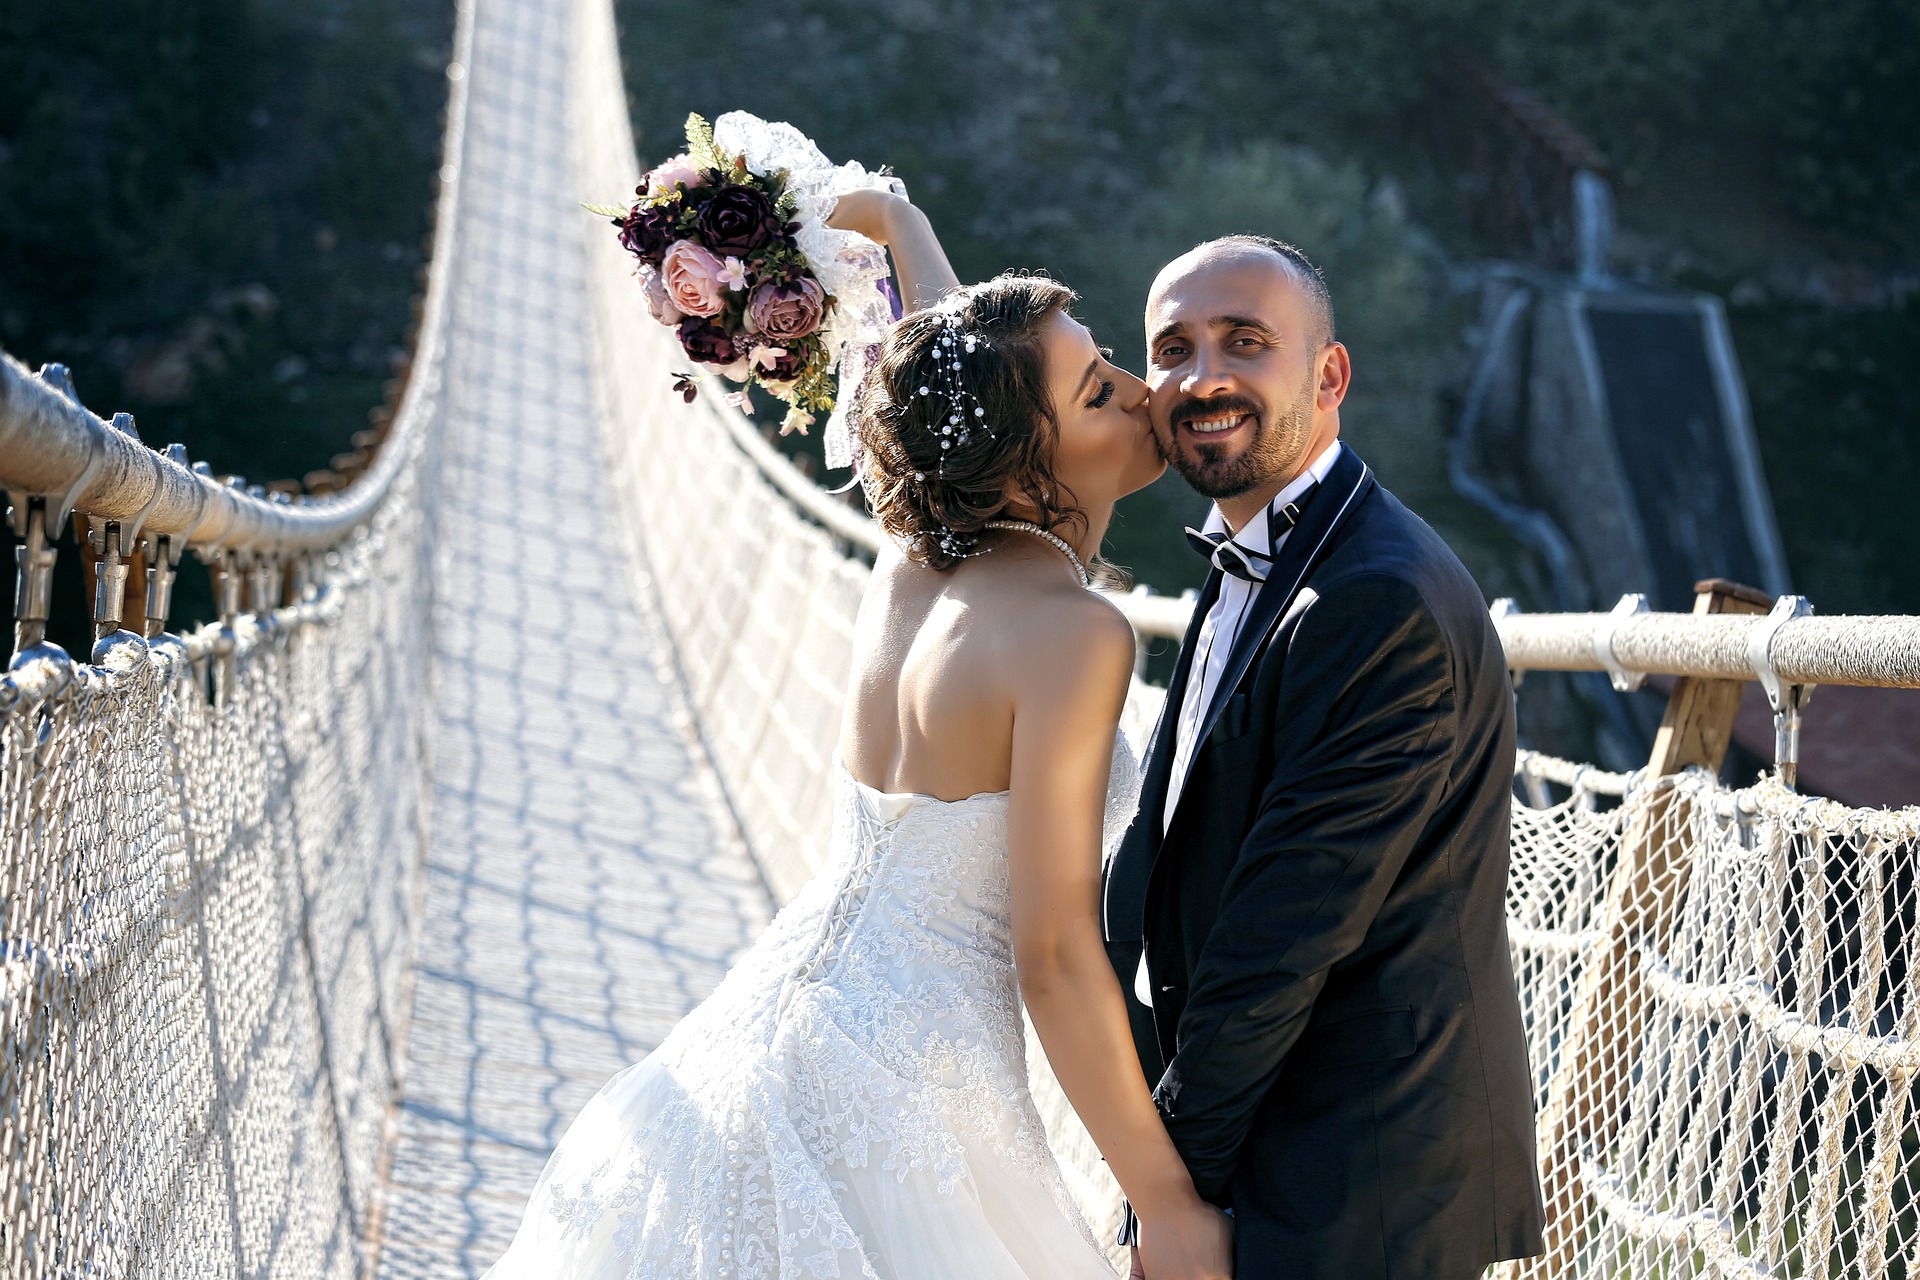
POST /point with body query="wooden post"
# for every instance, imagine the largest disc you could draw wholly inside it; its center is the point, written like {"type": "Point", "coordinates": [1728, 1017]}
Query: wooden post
{"type": "Point", "coordinates": [1587, 1095]}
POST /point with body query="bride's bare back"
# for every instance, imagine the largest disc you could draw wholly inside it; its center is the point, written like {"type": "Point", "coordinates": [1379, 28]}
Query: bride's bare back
{"type": "Point", "coordinates": [939, 660]}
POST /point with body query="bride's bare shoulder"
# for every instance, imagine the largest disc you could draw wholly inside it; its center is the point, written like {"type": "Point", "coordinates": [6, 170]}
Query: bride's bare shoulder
{"type": "Point", "coordinates": [1059, 637]}
{"type": "Point", "coordinates": [1028, 616]}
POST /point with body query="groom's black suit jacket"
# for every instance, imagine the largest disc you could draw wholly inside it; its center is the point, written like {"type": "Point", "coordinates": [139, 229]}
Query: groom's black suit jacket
{"type": "Point", "coordinates": [1335, 1031]}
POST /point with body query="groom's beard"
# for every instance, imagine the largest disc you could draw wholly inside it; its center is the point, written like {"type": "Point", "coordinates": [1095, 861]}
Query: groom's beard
{"type": "Point", "coordinates": [1222, 471]}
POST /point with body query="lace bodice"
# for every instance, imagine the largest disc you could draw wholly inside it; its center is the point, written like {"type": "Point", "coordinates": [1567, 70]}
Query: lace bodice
{"type": "Point", "coordinates": [875, 1026]}
{"type": "Point", "coordinates": [899, 843]}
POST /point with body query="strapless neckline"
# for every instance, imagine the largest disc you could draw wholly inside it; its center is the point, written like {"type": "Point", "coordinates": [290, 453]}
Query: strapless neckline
{"type": "Point", "coordinates": [910, 797]}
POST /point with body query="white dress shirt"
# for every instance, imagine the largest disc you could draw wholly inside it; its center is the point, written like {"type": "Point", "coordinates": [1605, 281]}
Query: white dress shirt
{"type": "Point", "coordinates": [1214, 644]}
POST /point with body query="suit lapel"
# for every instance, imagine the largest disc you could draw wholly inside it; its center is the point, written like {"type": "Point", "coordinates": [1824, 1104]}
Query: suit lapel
{"type": "Point", "coordinates": [1342, 491]}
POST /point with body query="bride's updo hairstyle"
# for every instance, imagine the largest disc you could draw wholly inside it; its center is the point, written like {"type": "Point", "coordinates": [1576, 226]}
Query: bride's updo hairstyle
{"type": "Point", "coordinates": [936, 502]}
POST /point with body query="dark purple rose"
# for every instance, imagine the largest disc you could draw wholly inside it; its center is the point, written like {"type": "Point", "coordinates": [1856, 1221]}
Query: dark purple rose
{"type": "Point", "coordinates": [737, 220]}
{"type": "Point", "coordinates": [707, 342]}
{"type": "Point", "coordinates": [648, 231]}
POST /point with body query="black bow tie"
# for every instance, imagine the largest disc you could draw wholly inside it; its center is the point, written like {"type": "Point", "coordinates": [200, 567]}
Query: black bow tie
{"type": "Point", "coordinates": [1244, 563]}
{"type": "Point", "coordinates": [1230, 557]}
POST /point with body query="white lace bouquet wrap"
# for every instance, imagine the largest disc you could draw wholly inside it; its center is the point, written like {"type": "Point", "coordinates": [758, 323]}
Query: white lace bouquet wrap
{"type": "Point", "coordinates": [737, 257]}
{"type": "Point", "coordinates": [851, 268]}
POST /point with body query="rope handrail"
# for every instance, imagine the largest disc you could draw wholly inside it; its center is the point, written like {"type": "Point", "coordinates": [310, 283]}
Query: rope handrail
{"type": "Point", "coordinates": [1881, 651]}
{"type": "Point", "coordinates": [812, 501]}
{"type": "Point", "coordinates": [48, 444]}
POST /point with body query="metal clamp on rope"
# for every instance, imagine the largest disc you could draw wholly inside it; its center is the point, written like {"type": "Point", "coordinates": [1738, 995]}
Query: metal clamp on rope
{"type": "Point", "coordinates": [33, 592]}
{"type": "Point", "coordinates": [1787, 700]}
{"type": "Point", "coordinates": [1624, 681]}
{"type": "Point", "coordinates": [264, 588]}
{"type": "Point", "coordinates": [229, 579]}
{"type": "Point", "coordinates": [113, 546]}
{"type": "Point", "coordinates": [114, 543]}
{"type": "Point", "coordinates": [38, 520]}
{"type": "Point", "coordinates": [163, 561]}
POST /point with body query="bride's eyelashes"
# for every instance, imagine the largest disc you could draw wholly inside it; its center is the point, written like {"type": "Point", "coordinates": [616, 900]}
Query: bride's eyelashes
{"type": "Point", "coordinates": [1106, 394]}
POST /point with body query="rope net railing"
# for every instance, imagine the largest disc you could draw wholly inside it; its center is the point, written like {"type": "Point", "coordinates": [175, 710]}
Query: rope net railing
{"type": "Point", "coordinates": [1719, 992]}
{"type": "Point", "coordinates": [209, 848]}
{"type": "Point", "coordinates": [207, 906]}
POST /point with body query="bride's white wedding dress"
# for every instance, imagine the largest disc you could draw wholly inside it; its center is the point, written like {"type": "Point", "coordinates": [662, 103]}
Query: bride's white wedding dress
{"type": "Point", "coordinates": [851, 1101]}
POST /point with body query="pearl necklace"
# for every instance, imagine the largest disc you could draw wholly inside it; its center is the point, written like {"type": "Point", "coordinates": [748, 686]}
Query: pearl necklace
{"type": "Point", "coordinates": [1028, 526]}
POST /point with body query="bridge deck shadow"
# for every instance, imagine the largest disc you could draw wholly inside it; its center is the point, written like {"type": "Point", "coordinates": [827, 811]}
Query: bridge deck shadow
{"type": "Point", "coordinates": [583, 886]}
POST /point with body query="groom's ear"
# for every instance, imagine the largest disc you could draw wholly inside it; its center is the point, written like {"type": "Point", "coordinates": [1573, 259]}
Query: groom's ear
{"type": "Point", "coordinates": [1336, 375]}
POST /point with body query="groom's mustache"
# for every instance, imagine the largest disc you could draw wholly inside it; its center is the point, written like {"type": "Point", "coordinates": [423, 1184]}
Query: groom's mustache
{"type": "Point", "coordinates": [1218, 407]}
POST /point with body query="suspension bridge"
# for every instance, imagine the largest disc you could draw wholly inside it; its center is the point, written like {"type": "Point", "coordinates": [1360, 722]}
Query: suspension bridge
{"type": "Point", "coordinates": [319, 923]}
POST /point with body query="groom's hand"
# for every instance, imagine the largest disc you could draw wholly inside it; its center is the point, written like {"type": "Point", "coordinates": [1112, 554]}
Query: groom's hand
{"type": "Point", "coordinates": [1193, 1244]}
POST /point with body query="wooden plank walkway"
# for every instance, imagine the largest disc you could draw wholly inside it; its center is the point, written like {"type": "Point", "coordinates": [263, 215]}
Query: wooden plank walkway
{"type": "Point", "coordinates": [584, 887]}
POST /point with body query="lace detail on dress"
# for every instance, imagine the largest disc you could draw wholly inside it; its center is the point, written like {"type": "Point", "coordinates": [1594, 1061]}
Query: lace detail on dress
{"type": "Point", "coordinates": [874, 1029]}
{"type": "Point", "coordinates": [1123, 794]}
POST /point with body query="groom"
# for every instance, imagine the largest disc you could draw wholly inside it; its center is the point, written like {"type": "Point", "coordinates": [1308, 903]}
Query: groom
{"type": "Point", "coordinates": [1308, 910]}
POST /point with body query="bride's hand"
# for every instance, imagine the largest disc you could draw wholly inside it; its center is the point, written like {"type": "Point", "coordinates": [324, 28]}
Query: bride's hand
{"type": "Point", "coordinates": [1192, 1243]}
{"type": "Point", "coordinates": [871, 213]}
{"type": "Point", "coordinates": [893, 220]}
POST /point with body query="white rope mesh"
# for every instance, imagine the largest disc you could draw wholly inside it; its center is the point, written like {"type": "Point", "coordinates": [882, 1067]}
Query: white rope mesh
{"type": "Point", "coordinates": [205, 909]}
{"type": "Point", "coordinates": [1722, 1014]}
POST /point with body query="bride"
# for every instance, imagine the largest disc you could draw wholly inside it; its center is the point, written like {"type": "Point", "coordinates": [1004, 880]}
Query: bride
{"type": "Point", "coordinates": [852, 1101]}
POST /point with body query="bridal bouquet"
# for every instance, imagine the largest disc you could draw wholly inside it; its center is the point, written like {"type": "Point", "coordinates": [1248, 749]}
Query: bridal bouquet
{"type": "Point", "coordinates": [737, 258]}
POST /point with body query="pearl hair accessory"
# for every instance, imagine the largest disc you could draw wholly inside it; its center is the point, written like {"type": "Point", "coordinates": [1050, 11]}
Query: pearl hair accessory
{"type": "Point", "coordinates": [961, 412]}
{"type": "Point", "coordinates": [960, 409]}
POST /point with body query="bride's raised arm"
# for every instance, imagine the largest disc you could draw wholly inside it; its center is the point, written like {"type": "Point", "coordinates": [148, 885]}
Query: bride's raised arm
{"type": "Point", "coordinates": [1069, 694]}
{"type": "Point", "coordinates": [891, 220]}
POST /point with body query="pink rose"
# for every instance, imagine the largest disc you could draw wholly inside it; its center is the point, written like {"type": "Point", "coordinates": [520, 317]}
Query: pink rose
{"type": "Point", "coordinates": [786, 312]}
{"type": "Point", "coordinates": [659, 305]}
{"type": "Point", "coordinates": [693, 279]}
{"type": "Point", "coordinates": [675, 171]}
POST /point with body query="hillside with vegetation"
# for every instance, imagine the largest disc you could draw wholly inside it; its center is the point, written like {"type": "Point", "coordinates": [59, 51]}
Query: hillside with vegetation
{"type": "Point", "coordinates": [1764, 150]}
{"type": "Point", "coordinates": [212, 210]}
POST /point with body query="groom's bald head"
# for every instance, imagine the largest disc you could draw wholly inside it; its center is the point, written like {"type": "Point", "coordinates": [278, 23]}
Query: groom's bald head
{"type": "Point", "coordinates": [1255, 250]}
